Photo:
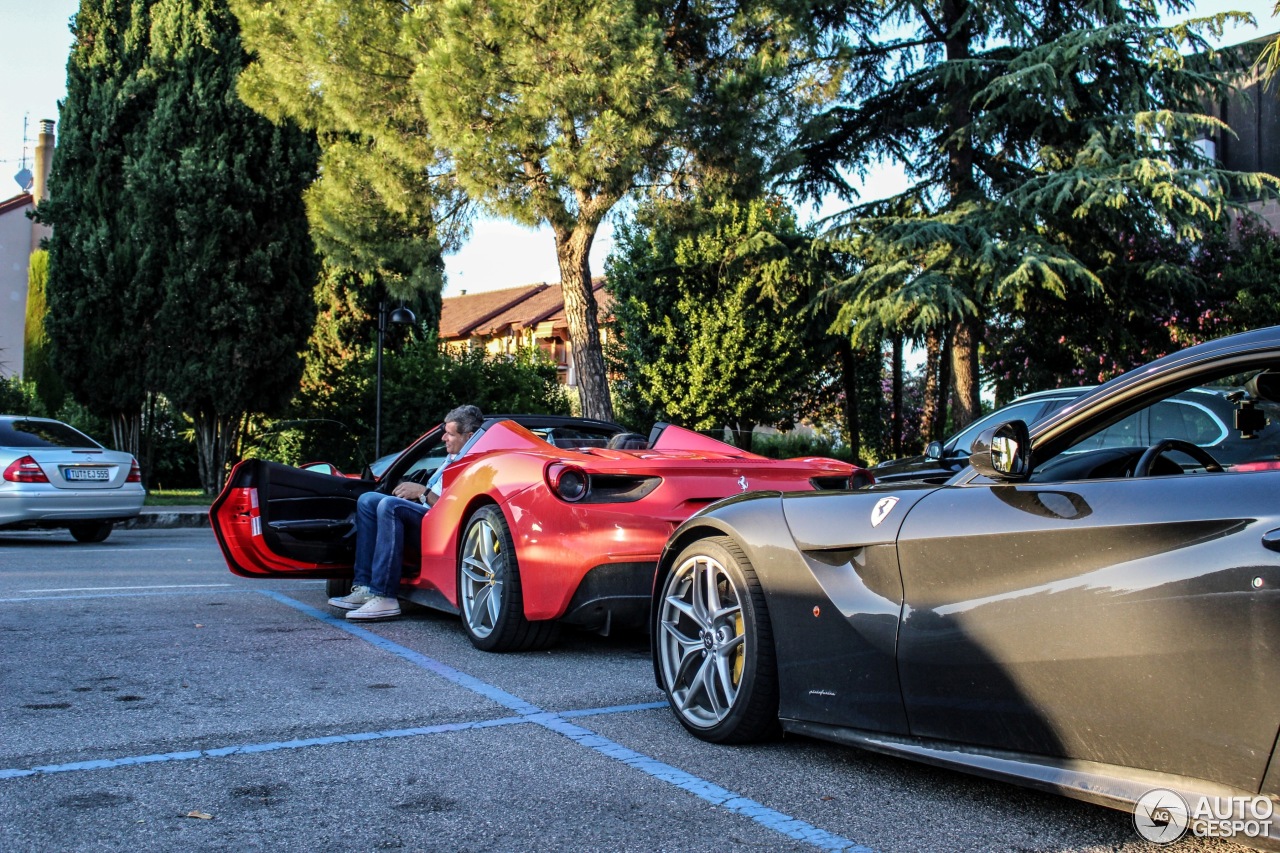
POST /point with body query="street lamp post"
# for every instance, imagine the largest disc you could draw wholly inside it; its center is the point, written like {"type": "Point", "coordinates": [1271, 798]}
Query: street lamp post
{"type": "Point", "coordinates": [401, 316]}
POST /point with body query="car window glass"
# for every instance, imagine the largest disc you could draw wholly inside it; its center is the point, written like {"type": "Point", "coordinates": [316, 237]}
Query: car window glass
{"type": "Point", "coordinates": [32, 433]}
{"type": "Point", "coordinates": [1187, 422]}
{"type": "Point", "coordinates": [1203, 416]}
{"type": "Point", "coordinates": [1124, 433]}
{"type": "Point", "coordinates": [429, 461]}
{"type": "Point", "coordinates": [1028, 411]}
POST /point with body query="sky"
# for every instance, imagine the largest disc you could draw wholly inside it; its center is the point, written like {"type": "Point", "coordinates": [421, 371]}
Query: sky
{"type": "Point", "coordinates": [499, 254]}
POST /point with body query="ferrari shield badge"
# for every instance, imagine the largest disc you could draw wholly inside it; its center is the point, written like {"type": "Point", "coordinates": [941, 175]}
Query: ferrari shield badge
{"type": "Point", "coordinates": [881, 511]}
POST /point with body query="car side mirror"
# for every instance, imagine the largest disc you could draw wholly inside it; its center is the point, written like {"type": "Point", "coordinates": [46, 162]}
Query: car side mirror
{"type": "Point", "coordinates": [933, 451]}
{"type": "Point", "coordinates": [1003, 452]}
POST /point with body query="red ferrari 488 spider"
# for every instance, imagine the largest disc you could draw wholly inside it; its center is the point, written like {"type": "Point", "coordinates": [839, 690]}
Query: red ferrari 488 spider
{"type": "Point", "coordinates": [543, 520]}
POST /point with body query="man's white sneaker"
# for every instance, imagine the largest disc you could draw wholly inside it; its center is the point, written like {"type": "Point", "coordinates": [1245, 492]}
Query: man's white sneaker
{"type": "Point", "coordinates": [358, 596]}
{"type": "Point", "coordinates": [377, 607]}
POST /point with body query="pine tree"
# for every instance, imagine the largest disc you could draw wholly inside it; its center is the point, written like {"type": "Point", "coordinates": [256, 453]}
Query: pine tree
{"type": "Point", "coordinates": [1040, 141]}
{"type": "Point", "coordinates": [547, 113]}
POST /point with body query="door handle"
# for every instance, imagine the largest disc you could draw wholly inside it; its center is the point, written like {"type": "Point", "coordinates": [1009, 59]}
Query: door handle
{"type": "Point", "coordinates": [1271, 539]}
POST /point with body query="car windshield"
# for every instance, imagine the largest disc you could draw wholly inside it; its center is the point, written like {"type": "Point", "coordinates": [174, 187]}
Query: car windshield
{"type": "Point", "coordinates": [33, 433]}
{"type": "Point", "coordinates": [1027, 410]}
{"type": "Point", "coordinates": [1204, 416]}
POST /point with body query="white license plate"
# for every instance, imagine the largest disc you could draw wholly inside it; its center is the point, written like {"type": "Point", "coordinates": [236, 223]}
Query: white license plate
{"type": "Point", "coordinates": [95, 474]}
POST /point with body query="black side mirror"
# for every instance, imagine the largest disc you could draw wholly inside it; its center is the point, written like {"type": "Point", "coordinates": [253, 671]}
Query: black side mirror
{"type": "Point", "coordinates": [1003, 452]}
{"type": "Point", "coordinates": [1264, 385]}
{"type": "Point", "coordinates": [933, 451]}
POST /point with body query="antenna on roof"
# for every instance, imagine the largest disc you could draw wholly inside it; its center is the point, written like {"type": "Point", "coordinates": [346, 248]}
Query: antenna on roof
{"type": "Point", "coordinates": [24, 177]}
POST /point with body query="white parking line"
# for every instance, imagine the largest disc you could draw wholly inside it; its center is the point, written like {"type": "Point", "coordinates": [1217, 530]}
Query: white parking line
{"type": "Point", "coordinates": [117, 588]}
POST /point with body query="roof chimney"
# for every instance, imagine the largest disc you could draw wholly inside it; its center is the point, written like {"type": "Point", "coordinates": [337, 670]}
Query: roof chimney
{"type": "Point", "coordinates": [44, 161]}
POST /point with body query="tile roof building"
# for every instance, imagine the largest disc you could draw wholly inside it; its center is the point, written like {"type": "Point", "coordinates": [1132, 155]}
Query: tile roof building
{"type": "Point", "coordinates": [504, 321]}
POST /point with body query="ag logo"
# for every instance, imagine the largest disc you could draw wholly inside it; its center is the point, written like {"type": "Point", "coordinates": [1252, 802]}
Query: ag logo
{"type": "Point", "coordinates": [742, 483]}
{"type": "Point", "coordinates": [882, 509]}
{"type": "Point", "coordinates": [1160, 815]}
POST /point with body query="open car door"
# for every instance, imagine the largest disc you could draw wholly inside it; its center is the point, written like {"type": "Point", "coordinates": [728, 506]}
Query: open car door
{"type": "Point", "coordinates": [277, 520]}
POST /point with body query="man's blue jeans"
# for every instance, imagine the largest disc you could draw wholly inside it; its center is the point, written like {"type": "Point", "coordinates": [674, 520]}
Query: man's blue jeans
{"type": "Point", "coordinates": [382, 522]}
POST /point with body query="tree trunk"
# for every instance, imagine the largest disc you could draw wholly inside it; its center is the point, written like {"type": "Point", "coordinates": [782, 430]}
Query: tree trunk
{"type": "Point", "coordinates": [849, 379]}
{"type": "Point", "coordinates": [216, 436]}
{"type": "Point", "coordinates": [895, 415]}
{"type": "Point", "coordinates": [944, 383]}
{"type": "Point", "coordinates": [964, 364]}
{"type": "Point", "coordinates": [126, 432]}
{"type": "Point", "coordinates": [572, 250]}
{"type": "Point", "coordinates": [929, 426]}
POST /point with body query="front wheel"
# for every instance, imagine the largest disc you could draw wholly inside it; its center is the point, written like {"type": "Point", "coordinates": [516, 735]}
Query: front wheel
{"type": "Point", "coordinates": [337, 587]}
{"type": "Point", "coordinates": [489, 591]}
{"type": "Point", "coordinates": [714, 645]}
{"type": "Point", "coordinates": [91, 531]}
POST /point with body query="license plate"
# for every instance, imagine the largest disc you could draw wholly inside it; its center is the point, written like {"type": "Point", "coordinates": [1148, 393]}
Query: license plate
{"type": "Point", "coordinates": [95, 474]}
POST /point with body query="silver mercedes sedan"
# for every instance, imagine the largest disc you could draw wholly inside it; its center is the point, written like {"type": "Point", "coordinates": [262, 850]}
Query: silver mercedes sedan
{"type": "Point", "coordinates": [54, 476]}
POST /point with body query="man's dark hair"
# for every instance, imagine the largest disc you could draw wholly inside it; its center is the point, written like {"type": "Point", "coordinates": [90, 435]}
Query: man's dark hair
{"type": "Point", "coordinates": [468, 418]}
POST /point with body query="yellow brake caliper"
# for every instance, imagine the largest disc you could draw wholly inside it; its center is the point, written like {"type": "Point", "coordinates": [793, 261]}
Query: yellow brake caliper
{"type": "Point", "coordinates": [739, 655]}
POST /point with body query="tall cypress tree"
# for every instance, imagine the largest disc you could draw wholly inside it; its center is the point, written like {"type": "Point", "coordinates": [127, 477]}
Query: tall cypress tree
{"type": "Point", "coordinates": [220, 189]}
{"type": "Point", "coordinates": [180, 262]}
{"type": "Point", "coordinates": [98, 321]}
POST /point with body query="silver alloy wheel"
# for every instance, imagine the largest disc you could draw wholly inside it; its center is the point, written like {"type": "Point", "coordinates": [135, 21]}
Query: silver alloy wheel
{"type": "Point", "coordinates": [701, 645]}
{"type": "Point", "coordinates": [483, 571]}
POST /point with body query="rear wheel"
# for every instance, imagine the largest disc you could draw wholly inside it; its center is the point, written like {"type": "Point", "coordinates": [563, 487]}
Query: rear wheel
{"type": "Point", "coordinates": [714, 645]}
{"type": "Point", "coordinates": [337, 587]}
{"type": "Point", "coordinates": [489, 591]}
{"type": "Point", "coordinates": [91, 531]}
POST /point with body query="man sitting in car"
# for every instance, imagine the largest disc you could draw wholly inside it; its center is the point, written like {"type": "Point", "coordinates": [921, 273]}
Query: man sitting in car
{"type": "Point", "coordinates": [384, 520]}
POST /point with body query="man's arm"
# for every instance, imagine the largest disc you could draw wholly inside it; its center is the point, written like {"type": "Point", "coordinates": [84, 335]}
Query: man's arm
{"type": "Point", "coordinates": [412, 491]}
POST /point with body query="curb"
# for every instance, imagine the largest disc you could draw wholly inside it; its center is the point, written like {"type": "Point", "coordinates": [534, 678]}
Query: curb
{"type": "Point", "coordinates": [168, 517]}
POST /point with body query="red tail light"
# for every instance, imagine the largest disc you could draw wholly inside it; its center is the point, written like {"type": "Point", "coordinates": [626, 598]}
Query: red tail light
{"type": "Point", "coordinates": [25, 470]}
{"type": "Point", "coordinates": [569, 482]}
{"type": "Point", "coordinates": [135, 473]}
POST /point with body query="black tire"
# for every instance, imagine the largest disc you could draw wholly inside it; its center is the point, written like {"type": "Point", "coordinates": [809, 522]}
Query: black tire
{"type": "Point", "coordinates": [91, 531]}
{"type": "Point", "coordinates": [337, 587]}
{"type": "Point", "coordinates": [490, 597]}
{"type": "Point", "coordinates": [716, 660]}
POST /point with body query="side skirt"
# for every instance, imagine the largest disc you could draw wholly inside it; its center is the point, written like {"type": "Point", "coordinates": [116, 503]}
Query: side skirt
{"type": "Point", "coordinates": [1102, 784]}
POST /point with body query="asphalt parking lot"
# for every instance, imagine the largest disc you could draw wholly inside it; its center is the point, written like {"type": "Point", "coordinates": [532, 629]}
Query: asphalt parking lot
{"type": "Point", "coordinates": [153, 701]}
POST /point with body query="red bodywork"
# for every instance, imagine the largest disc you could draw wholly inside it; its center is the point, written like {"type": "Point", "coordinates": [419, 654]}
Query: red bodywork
{"type": "Point", "coordinates": [557, 542]}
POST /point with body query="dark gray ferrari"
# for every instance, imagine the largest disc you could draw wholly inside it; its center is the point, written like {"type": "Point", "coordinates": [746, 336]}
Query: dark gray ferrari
{"type": "Point", "coordinates": [1086, 608]}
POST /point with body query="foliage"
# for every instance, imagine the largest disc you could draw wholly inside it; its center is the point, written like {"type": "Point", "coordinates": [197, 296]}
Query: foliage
{"type": "Point", "coordinates": [19, 398]}
{"type": "Point", "coordinates": [710, 313]}
{"type": "Point", "coordinates": [100, 308]}
{"type": "Point", "coordinates": [788, 445]}
{"type": "Point", "coordinates": [1235, 272]}
{"type": "Point", "coordinates": [1241, 268]}
{"type": "Point", "coordinates": [1038, 140]}
{"type": "Point", "coordinates": [545, 113]}
{"type": "Point", "coordinates": [36, 367]}
{"type": "Point", "coordinates": [180, 262]}
{"type": "Point", "coordinates": [333, 419]}
{"type": "Point", "coordinates": [1269, 59]}
{"type": "Point", "coordinates": [220, 187]}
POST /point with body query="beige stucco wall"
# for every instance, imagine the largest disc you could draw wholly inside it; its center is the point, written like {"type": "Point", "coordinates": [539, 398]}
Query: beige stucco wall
{"type": "Point", "coordinates": [16, 239]}
{"type": "Point", "coordinates": [1270, 211]}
